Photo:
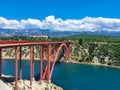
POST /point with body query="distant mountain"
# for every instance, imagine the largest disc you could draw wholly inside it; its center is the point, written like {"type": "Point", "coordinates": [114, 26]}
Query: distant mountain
{"type": "Point", "coordinates": [51, 33]}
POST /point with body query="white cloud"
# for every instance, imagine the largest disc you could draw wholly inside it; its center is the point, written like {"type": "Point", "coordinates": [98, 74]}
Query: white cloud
{"type": "Point", "coordinates": [52, 23]}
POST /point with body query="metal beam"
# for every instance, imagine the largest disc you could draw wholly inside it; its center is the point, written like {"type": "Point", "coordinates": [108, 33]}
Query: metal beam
{"type": "Point", "coordinates": [0, 63]}
{"type": "Point", "coordinates": [20, 63]}
{"type": "Point", "coordinates": [48, 62]}
{"type": "Point", "coordinates": [31, 64]}
{"type": "Point", "coordinates": [41, 63]}
{"type": "Point", "coordinates": [16, 68]}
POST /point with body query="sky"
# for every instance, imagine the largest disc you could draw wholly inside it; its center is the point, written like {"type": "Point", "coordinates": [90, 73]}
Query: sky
{"type": "Point", "coordinates": [80, 15]}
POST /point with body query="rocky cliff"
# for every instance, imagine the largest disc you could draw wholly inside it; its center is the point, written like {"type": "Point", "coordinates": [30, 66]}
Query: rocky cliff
{"type": "Point", "coordinates": [96, 52]}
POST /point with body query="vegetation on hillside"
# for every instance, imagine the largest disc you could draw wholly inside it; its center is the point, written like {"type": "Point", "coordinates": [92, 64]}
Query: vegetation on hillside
{"type": "Point", "coordinates": [108, 54]}
{"type": "Point", "coordinates": [84, 48]}
{"type": "Point", "coordinates": [90, 38]}
{"type": "Point", "coordinates": [24, 38]}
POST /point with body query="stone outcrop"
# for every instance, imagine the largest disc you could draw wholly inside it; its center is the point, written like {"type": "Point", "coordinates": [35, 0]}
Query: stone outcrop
{"type": "Point", "coordinates": [36, 85]}
{"type": "Point", "coordinates": [25, 84]}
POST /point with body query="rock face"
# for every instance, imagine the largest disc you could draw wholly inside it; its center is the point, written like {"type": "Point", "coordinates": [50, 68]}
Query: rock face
{"type": "Point", "coordinates": [36, 85]}
{"type": "Point", "coordinates": [25, 84]}
{"type": "Point", "coordinates": [3, 86]}
{"type": "Point", "coordinates": [96, 53]}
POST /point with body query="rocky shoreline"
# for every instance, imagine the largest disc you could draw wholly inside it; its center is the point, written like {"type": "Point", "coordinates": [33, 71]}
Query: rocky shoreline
{"type": "Point", "coordinates": [25, 84]}
{"type": "Point", "coordinates": [95, 64]}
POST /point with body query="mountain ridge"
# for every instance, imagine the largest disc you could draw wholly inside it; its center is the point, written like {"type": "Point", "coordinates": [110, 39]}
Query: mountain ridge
{"type": "Point", "coordinates": [52, 33]}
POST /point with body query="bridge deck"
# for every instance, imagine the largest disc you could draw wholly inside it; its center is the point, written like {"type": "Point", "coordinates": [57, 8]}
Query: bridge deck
{"type": "Point", "coordinates": [4, 44]}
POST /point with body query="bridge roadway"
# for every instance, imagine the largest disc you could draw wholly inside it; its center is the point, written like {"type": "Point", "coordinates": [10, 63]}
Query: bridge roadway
{"type": "Point", "coordinates": [4, 44]}
{"type": "Point", "coordinates": [47, 48]}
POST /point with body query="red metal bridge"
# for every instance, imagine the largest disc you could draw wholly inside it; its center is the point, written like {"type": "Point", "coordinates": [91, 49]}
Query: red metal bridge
{"type": "Point", "coordinates": [47, 48]}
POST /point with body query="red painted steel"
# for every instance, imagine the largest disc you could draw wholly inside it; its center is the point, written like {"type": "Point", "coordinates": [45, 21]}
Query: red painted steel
{"type": "Point", "coordinates": [0, 63]}
{"type": "Point", "coordinates": [56, 54]}
{"type": "Point", "coordinates": [45, 47]}
{"type": "Point", "coordinates": [16, 68]}
{"type": "Point", "coordinates": [20, 63]}
{"type": "Point", "coordinates": [49, 49]}
{"type": "Point", "coordinates": [48, 62]}
{"type": "Point", "coordinates": [45, 72]}
{"type": "Point", "coordinates": [5, 44]}
{"type": "Point", "coordinates": [31, 64]}
{"type": "Point", "coordinates": [41, 62]}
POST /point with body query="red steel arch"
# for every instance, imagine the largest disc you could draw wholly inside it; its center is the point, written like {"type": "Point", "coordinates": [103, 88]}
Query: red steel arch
{"type": "Point", "coordinates": [46, 72]}
{"type": "Point", "coordinates": [66, 49]}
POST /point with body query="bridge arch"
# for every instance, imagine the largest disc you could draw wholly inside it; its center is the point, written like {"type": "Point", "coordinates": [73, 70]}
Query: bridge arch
{"type": "Point", "coordinates": [66, 51]}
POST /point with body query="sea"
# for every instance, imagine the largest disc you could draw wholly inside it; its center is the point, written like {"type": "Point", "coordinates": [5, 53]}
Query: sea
{"type": "Point", "coordinates": [71, 76]}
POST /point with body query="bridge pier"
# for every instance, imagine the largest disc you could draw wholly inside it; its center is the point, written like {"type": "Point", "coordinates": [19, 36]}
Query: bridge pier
{"type": "Point", "coordinates": [48, 62]}
{"type": "Point", "coordinates": [41, 63]}
{"type": "Point", "coordinates": [16, 68]}
{"type": "Point", "coordinates": [31, 64]}
{"type": "Point", "coordinates": [20, 63]}
{"type": "Point", "coordinates": [0, 63]}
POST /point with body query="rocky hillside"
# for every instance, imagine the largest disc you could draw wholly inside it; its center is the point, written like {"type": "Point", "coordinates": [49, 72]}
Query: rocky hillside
{"type": "Point", "coordinates": [9, 53]}
{"type": "Point", "coordinates": [96, 52]}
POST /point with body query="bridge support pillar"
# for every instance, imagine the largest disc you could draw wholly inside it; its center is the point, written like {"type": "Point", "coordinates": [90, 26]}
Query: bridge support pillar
{"type": "Point", "coordinates": [20, 63]}
{"type": "Point", "coordinates": [31, 64]}
{"type": "Point", "coordinates": [48, 63]}
{"type": "Point", "coordinates": [16, 68]}
{"type": "Point", "coordinates": [0, 63]}
{"type": "Point", "coordinates": [41, 63]}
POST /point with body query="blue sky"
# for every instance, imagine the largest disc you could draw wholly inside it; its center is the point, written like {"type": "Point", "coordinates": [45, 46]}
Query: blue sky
{"type": "Point", "coordinates": [65, 9]}
{"type": "Point", "coordinates": [70, 15]}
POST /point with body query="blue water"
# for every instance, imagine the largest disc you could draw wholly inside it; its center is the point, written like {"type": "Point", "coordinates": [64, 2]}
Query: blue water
{"type": "Point", "coordinates": [74, 76]}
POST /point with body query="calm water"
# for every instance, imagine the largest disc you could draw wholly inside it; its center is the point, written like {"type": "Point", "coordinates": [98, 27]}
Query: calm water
{"type": "Point", "coordinates": [74, 76]}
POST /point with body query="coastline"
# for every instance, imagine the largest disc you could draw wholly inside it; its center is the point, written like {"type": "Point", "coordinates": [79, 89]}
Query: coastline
{"type": "Point", "coordinates": [69, 61]}
{"type": "Point", "coordinates": [93, 64]}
